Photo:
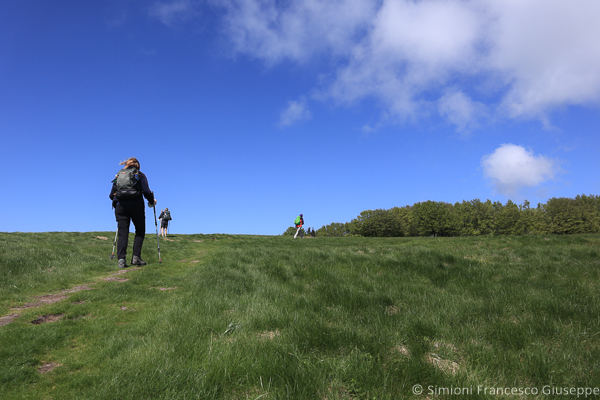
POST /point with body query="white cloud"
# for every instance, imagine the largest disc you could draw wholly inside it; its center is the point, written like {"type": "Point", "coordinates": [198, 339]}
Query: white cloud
{"type": "Point", "coordinates": [407, 54]}
{"type": "Point", "coordinates": [512, 168]}
{"type": "Point", "coordinates": [412, 48]}
{"type": "Point", "coordinates": [295, 112]}
{"type": "Point", "coordinates": [548, 52]}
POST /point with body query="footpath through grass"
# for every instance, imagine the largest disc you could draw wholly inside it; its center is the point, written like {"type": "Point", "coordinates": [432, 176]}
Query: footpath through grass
{"type": "Point", "coordinates": [245, 317]}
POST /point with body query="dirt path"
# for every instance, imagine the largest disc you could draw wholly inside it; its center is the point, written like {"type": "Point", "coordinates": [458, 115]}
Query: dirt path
{"type": "Point", "coordinates": [54, 298]}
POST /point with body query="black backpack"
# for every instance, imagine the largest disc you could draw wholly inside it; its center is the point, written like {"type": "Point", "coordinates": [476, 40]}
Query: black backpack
{"type": "Point", "coordinates": [125, 183]}
{"type": "Point", "coordinates": [167, 215]}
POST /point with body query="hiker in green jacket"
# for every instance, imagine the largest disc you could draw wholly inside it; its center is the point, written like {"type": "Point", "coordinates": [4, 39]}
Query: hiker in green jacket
{"type": "Point", "coordinates": [299, 221]}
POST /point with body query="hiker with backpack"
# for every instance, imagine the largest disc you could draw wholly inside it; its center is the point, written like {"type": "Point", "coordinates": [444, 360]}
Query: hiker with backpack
{"type": "Point", "coordinates": [164, 217]}
{"type": "Point", "coordinates": [299, 221]}
{"type": "Point", "coordinates": [129, 188]}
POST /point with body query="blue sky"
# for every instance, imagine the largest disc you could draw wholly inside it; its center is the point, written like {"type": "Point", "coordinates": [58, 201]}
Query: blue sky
{"type": "Point", "coordinates": [246, 113]}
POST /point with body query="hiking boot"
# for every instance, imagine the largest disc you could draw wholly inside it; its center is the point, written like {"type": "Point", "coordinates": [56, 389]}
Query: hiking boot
{"type": "Point", "coordinates": [122, 264]}
{"type": "Point", "coordinates": [137, 261]}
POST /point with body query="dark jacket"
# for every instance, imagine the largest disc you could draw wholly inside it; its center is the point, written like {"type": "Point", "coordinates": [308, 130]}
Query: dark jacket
{"type": "Point", "coordinates": [163, 214]}
{"type": "Point", "coordinates": [141, 186]}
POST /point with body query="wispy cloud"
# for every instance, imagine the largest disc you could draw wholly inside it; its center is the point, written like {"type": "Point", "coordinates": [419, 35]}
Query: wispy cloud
{"type": "Point", "coordinates": [296, 111]}
{"type": "Point", "coordinates": [297, 30]}
{"type": "Point", "coordinates": [170, 12]}
{"type": "Point", "coordinates": [511, 168]}
{"type": "Point", "coordinates": [461, 111]}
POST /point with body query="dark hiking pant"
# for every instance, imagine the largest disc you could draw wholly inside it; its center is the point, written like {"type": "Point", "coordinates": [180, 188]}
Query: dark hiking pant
{"type": "Point", "coordinates": [125, 213]}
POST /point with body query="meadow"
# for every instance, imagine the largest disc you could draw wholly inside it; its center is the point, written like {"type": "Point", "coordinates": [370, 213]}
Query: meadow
{"type": "Point", "coordinates": [270, 317]}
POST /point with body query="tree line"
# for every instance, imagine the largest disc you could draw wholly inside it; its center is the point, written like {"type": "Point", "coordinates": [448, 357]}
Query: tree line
{"type": "Point", "coordinates": [471, 218]}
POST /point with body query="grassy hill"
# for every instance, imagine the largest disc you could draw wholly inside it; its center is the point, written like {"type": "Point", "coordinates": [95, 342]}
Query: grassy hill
{"type": "Point", "coordinates": [247, 317]}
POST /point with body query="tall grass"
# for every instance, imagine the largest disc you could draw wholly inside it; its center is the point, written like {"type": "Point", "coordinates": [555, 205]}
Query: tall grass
{"type": "Point", "coordinates": [242, 317]}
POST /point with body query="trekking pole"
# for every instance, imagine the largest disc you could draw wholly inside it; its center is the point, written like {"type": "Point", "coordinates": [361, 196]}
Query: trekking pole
{"type": "Point", "coordinates": [157, 242]}
{"type": "Point", "coordinates": [114, 244]}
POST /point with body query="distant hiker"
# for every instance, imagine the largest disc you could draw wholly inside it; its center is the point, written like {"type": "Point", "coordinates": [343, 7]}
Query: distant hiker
{"type": "Point", "coordinates": [165, 217]}
{"type": "Point", "coordinates": [129, 188]}
{"type": "Point", "coordinates": [299, 221]}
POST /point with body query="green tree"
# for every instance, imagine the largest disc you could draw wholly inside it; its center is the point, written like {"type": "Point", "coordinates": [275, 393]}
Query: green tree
{"type": "Point", "coordinates": [540, 220]}
{"type": "Point", "coordinates": [433, 218]}
{"type": "Point", "coordinates": [464, 218]}
{"type": "Point", "coordinates": [531, 220]}
{"type": "Point", "coordinates": [507, 217]}
{"type": "Point", "coordinates": [335, 229]}
{"type": "Point", "coordinates": [564, 216]}
{"type": "Point", "coordinates": [291, 231]}
{"type": "Point", "coordinates": [590, 211]}
{"type": "Point", "coordinates": [403, 218]}
{"type": "Point", "coordinates": [394, 222]}
{"type": "Point", "coordinates": [483, 217]}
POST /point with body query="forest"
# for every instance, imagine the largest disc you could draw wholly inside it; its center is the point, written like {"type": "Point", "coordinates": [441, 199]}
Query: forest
{"type": "Point", "coordinates": [560, 216]}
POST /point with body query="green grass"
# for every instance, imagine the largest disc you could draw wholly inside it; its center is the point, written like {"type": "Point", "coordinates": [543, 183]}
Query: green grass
{"type": "Point", "coordinates": [248, 317]}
